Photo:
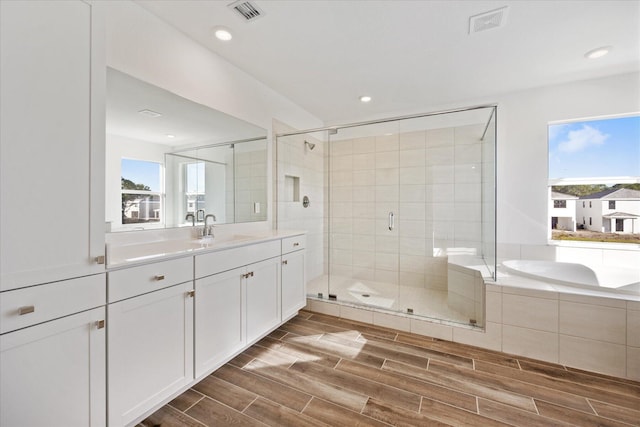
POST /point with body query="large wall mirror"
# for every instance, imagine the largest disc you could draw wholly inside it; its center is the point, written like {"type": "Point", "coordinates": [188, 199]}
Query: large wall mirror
{"type": "Point", "coordinates": [168, 157]}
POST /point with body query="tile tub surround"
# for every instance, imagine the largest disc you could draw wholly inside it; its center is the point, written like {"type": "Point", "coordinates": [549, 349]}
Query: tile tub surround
{"type": "Point", "coordinates": [593, 333]}
{"type": "Point", "coordinates": [322, 370]}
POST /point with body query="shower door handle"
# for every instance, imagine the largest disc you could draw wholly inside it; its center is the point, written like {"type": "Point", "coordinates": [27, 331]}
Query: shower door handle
{"type": "Point", "coordinates": [391, 221]}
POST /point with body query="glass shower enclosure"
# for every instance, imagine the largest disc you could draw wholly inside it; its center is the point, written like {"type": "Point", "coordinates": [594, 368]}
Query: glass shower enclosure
{"type": "Point", "coordinates": [400, 213]}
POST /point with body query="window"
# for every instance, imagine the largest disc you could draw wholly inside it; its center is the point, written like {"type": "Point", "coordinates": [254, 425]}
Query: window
{"type": "Point", "coordinates": [559, 204]}
{"type": "Point", "coordinates": [141, 191]}
{"type": "Point", "coordinates": [591, 159]}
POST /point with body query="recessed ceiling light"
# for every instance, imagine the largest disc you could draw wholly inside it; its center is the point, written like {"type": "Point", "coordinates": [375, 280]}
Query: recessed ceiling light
{"type": "Point", "coordinates": [170, 135]}
{"type": "Point", "coordinates": [598, 52]}
{"type": "Point", "coordinates": [222, 33]}
{"type": "Point", "coordinates": [365, 98]}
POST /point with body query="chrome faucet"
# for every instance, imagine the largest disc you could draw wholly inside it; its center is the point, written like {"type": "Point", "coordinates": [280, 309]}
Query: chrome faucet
{"type": "Point", "coordinates": [193, 219]}
{"type": "Point", "coordinates": [208, 230]}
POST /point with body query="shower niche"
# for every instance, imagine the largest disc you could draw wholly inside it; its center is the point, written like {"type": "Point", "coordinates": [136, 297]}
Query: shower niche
{"type": "Point", "coordinates": [403, 219]}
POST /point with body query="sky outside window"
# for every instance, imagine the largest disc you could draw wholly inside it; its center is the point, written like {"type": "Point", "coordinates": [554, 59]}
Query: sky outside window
{"type": "Point", "coordinates": [142, 172]}
{"type": "Point", "coordinates": [595, 148]}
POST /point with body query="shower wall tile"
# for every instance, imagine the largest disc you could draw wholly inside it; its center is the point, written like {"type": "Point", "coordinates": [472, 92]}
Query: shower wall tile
{"type": "Point", "coordinates": [412, 175]}
{"type": "Point", "coordinates": [388, 176]}
{"type": "Point", "coordinates": [342, 210]}
{"type": "Point", "coordinates": [413, 246]}
{"type": "Point", "coordinates": [342, 163]}
{"type": "Point", "coordinates": [412, 264]}
{"type": "Point", "coordinates": [341, 257]}
{"type": "Point", "coordinates": [470, 134]}
{"type": "Point", "coordinates": [442, 156]}
{"type": "Point", "coordinates": [438, 193]}
{"type": "Point", "coordinates": [362, 273]}
{"type": "Point", "coordinates": [470, 193]}
{"type": "Point", "coordinates": [439, 174]}
{"type": "Point", "coordinates": [386, 261]}
{"type": "Point", "coordinates": [412, 211]}
{"type": "Point", "coordinates": [530, 343]}
{"type": "Point", "coordinates": [364, 177]}
{"type": "Point", "coordinates": [364, 226]}
{"type": "Point", "coordinates": [387, 159]}
{"type": "Point", "coordinates": [412, 158]}
{"type": "Point", "coordinates": [412, 228]}
{"type": "Point", "coordinates": [587, 299]}
{"type": "Point", "coordinates": [467, 173]}
{"type": "Point", "coordinates": [364, 145]}
{"type": "Point", "coordinates": [363, 210]}
{"type": "Point", "coordinates": [416, 280]}
{"type": "Point", "coordinates": [387, 193]}
{"type": "Point", "coordinates": [386, 276]}
{"type": "Point", "coordinates": [364, 259]}
{"type": "Point", "coordinates": [387, 143]}
{"type": "Point", "coordinates": [341, 178]}
{"type": "Point", "coordinates": [413, 193]}
{"type": "Point", "coordinates": [363, 242]}
{"type": "Point", "coordinates": [341, 147]}
{"type": "Point", "coordinates": [412, 140]}
{"type": "Point", "coordinates": [364, 161]}
{"type": "Point", "coordinates": [439, 137]}
{"type": "Point", "coordinates": [468, 153]}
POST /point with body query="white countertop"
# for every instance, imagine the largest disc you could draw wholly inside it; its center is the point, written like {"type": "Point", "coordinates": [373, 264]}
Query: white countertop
{"type": "Point", "coordinates": [127, 255]}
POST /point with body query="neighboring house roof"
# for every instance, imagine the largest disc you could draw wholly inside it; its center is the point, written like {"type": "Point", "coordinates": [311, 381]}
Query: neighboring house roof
{"type": "Point", "coordinates": [562, 196]}
{"type": "Point", "coordinates": [614, 193]}
{"type": "Point", "coordinates": [621, 215]}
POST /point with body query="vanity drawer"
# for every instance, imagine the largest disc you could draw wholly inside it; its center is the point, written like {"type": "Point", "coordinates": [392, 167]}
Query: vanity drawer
{"type": "Point", "coordinates": [129, 282]}
{"type": "Point", "coordinates": [37, 304]}
{"type": "Point", "coordinates": [294, 243]}
{"type": "Point", "coordinates": [216, 262]}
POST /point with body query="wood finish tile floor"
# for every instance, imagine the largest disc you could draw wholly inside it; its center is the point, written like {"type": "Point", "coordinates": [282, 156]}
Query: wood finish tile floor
{"type": "Point", "coordinates": [318, 370]}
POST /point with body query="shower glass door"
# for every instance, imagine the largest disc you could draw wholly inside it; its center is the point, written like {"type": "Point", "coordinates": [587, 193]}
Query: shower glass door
{"type": "Point", "coordinates": [364, 222]}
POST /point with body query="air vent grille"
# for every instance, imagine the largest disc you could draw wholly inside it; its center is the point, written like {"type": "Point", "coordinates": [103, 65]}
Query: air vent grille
{"type": "Point", "coordinates": [249, 11]}
{"type": "Point", "coordinates": [488, 20]}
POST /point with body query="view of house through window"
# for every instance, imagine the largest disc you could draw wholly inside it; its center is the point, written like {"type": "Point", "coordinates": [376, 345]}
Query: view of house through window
{"type": "Point", "coordinates": [594, 180]}
{"type": "Point", "coordinates": [141, 191]}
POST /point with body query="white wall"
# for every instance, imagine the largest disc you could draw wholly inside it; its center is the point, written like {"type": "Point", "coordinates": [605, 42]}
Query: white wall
{"type": "Point", "coordinates": [522, 145]}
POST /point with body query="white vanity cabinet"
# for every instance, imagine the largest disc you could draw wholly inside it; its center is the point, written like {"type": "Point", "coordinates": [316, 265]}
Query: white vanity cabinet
{"type": "Point", "coordinates": [293, 281]}
{"type": "Point", "coordinates": [52, 364]}
{"type": "Point", "coordinates": [150, 337]}
{"type": "Point", "coordinates": [51, 141]}
{"type": "Point", "coordinates": [236, 302]}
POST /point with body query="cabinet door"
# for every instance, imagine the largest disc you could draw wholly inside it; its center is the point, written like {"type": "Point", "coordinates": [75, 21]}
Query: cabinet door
{"type": "Point", "coordinates": [53, 374]}
{"type": "Point", "coordinates": [50, 142]}
{"type": "Point", "coordinates": [150, 352]}
{"type": "Point", "coordinates": [294, 293]}
{"type": "Point", "coordinates": [219, 314]}
{"type": "Point", "coordinates": [263, 298]}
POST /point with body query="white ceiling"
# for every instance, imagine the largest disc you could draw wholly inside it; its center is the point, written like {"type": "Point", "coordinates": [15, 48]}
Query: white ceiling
{"type": "Point", "coordinates": [411, 56]}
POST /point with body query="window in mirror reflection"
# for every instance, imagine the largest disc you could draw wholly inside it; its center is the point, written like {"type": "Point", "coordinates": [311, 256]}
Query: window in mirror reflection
{"type": "Point", "coordinates": [141, 187]}
{"type": "Point", "coordinates": [195, 186]}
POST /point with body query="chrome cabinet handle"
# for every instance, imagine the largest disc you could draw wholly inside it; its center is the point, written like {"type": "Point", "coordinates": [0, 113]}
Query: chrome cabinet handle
{"type": "Point", "coordinates": [158, 277]}
{"type": "Point", "coordinates": [26, 310]}
{"type": "Point", "coordinates": [391, 221]}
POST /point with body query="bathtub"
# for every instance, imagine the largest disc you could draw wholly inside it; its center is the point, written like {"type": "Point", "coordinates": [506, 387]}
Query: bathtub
{"type": "Point", "coordinates": [625, 280]}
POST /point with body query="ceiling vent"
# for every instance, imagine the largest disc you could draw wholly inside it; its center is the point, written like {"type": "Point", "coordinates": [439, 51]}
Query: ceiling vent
{"type": "Point", "coordinates": [488, 20]}
{"type": "Point", "coordinates": [248, 10]}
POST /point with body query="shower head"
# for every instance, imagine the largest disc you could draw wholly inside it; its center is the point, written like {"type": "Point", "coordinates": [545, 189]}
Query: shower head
{"type": "Point", "coordinates": [310, 145]}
